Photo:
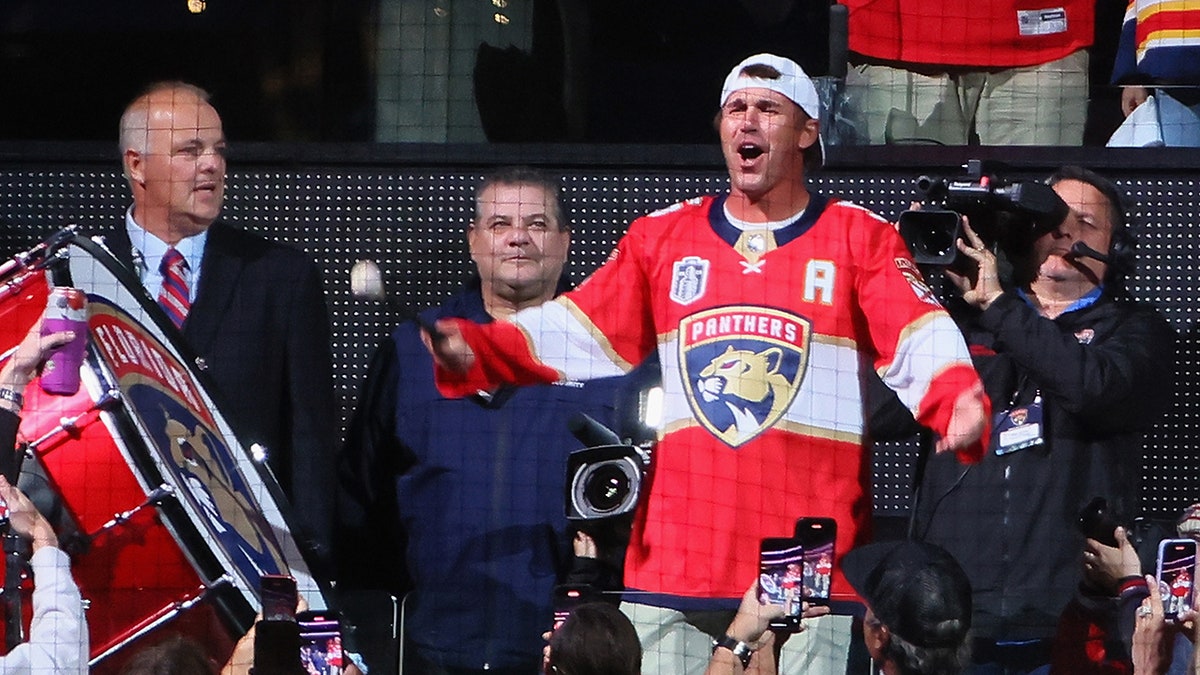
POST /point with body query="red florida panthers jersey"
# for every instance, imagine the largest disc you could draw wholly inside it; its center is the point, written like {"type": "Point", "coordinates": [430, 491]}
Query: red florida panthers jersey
{"type": "Point", "coordinates": [763, 337]}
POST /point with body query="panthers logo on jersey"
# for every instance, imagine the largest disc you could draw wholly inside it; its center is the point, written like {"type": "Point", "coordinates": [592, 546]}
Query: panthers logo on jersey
{"type": "Point", "coordinates": [742, 367]}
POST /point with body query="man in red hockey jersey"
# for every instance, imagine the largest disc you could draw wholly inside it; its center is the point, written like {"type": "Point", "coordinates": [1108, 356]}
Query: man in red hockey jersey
{"type": "Point", "coordinates": [765, 304]}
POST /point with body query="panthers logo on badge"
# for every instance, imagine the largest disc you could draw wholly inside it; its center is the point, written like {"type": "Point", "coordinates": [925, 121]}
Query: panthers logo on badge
{"type": "Point", "coordinates": [742, 367]}
{"type": "Point", "coordinates": [689, 278]}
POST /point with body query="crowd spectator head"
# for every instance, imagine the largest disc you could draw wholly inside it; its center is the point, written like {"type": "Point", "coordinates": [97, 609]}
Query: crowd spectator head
{"type": "Point", "coordinates": [176, 655]}
{"type": "Point", "coordinates": [1189, 522]}
{"type": "Point", "coordinates": [595, 639]}
{"type": "Point", "coordinates": [918, 598]}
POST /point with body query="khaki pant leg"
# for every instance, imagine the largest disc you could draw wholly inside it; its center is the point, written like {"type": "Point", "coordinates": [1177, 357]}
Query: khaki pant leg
{"type": "Point", "coordinates": [670, 645]}
{"type": "Point", "coordinates": [822, 648]}
{"type": "Point", "coordinates": [1039, 105]}
{"type": "Point", "coordinates": [899, 106]}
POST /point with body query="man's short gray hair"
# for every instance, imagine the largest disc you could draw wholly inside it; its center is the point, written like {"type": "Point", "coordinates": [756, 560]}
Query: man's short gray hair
{"type": "Point", "coordinates": [135, 120]}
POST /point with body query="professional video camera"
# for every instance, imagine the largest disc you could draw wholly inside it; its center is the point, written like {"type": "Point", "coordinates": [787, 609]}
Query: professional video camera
{"type": "Point", "coordinates": [1010, 214]}
{"type": "Point", "coordinates": [605, 478]}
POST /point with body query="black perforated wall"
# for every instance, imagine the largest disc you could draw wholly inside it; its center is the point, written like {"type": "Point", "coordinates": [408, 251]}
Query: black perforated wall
{"type": "Point", "coordinates": [411, 221]}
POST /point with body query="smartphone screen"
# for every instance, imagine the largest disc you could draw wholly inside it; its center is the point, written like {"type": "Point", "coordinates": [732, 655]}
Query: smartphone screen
{"type": "Point", "coordinates": [817, 536]}
{"type": "Point", "coordinates": [569, 596]}
{"type": "Point", "coordinates": [320, 642]}
{"type": "Point", "coordinates": [1175, 574]}
{"type": "Point", "coordinates": [781, 579]}
{"type": "Point", "coordinates": [278, 597]}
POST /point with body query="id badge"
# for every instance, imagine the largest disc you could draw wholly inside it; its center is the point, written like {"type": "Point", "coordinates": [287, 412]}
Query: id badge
{"type": "Point", "coordinates": [1018, 428]}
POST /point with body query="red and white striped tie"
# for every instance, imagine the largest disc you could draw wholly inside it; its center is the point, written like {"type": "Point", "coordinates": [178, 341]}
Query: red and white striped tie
{"type": "Point", "coordinates": [173, 297]}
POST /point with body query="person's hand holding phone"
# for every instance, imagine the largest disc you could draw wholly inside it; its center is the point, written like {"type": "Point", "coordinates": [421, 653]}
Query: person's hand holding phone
{"type": "Point", "coordinates": [753, 620]}
{"type": "Point", "coordinates": [241, 661]}
{"type": "Point", "coordinates": [1152, 649]}
{"type": "Point", "coordinates": [1105, 566]}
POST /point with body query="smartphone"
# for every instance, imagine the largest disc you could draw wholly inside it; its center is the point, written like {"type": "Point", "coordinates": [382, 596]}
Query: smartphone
{"type": "Point", "coordinates": [569, 596]}
{"type": "Point", "coordinates": [1176, 575]}
{"type": "Point", "coordinates": [1096, 522]}
{"type": "Point", "coordinates": [817, 536]}
{"type": "Point", "coordinates": [781, 580]}
{"type": "Point", "coordinates": [320, 642]}
{"type": "Point", "coordinates": [278, 597]}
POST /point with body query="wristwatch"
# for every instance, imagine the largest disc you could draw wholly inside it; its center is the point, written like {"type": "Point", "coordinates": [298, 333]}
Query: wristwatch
{"type": "Point", "coordinates": [740, 649]}
{"type": "Point", "coordinates": [12, 396]}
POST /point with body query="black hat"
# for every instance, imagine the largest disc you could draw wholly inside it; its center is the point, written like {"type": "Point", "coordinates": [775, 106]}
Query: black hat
{"type": "Point", "coordinates": [918, 590]}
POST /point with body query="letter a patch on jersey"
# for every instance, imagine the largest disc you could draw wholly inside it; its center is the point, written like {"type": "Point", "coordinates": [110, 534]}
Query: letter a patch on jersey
{"type": "Point", "coordinates": [742, 367]}
{"type": "Point", "coordinates": [689, 279]}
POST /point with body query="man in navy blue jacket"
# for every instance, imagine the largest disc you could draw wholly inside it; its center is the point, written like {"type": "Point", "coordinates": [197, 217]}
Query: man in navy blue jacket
{"type": "Point", "coordinates": [461, 502]}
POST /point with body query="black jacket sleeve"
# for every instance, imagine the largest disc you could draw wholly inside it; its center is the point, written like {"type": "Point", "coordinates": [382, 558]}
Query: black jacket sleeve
{"type": "Point", "coordinates": [1120, 382]}
{"type": "Point", "coordinates": [369, 460]}
{"type": "Point", "coordinates": [311, 410]}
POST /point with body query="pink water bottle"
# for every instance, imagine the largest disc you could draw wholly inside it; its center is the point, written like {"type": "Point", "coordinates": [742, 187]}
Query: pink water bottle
{"type": "Point", "coordinates": [66, 310]}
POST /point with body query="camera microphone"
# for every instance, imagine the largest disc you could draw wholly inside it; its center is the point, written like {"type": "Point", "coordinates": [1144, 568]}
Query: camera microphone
{"type": "Point", "coordinates": [590, 432]}
{"type": "Point", "coordinates": [1082, 250]}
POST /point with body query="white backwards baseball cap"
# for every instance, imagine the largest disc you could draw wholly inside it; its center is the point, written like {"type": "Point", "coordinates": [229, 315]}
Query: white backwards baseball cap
{"type": "Point", "coordinates": [792, 82]}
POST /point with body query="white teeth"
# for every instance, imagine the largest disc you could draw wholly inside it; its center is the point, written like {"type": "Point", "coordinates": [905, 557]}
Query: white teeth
{"type": "Point", "coordinates": [749, 151]}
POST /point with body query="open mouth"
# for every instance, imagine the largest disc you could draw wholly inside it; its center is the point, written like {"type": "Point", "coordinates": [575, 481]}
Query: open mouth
{"type": "Point", "coordinates": [750, 151]}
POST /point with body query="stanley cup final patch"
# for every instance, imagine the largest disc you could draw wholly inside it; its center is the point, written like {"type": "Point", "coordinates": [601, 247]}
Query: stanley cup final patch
{"type": "Point", "coordinates": [742, 367]}
{"type": "Point", "coordinates": [689, 278]}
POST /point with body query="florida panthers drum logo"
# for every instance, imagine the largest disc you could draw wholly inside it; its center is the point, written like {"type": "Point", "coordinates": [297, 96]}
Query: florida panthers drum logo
{"type": "Point", "coordinates": [742, 367]}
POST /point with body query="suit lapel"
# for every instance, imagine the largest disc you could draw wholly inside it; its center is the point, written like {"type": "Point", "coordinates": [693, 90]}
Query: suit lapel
{"type": "Point", "coordinates": [221, 268]}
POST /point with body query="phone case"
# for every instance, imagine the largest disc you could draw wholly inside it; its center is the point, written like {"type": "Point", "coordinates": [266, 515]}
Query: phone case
{"type": "Point", "coordinates": [818, 536]}
{"type": "Point", "coordinates": [278, 597]}
{"type": "Point", "coordinates": [781, 579]}
{"type": "Point", "coordinates": [1176, 575]}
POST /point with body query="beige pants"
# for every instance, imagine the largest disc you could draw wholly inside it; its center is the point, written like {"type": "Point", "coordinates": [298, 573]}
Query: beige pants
{"type": "Point", "coordinates": [1037, 105]}
{"type": "Point", "coordinates": [672, 646]}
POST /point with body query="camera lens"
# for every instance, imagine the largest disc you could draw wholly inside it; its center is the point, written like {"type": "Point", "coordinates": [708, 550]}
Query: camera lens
{"type": "Point", "coordinates": [935, 240]}
{"type": "Point", "coordinates": [605, 488]}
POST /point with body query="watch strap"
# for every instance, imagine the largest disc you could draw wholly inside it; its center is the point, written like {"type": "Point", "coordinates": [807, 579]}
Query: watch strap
{"type": "Point", "coordinates": [740, 649]}
{"type": "Point", "coordinates": [12, 396]}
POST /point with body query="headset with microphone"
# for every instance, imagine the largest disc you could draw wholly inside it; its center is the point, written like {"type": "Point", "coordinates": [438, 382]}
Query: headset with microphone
{"type": "Point", "coordinates": [1121, 257]}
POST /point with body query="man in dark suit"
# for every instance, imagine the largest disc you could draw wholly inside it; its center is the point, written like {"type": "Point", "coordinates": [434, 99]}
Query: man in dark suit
{"type": "Point", "coordinates": [252, 311]}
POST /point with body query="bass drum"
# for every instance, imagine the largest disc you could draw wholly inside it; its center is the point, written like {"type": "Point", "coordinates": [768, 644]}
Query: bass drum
{"type": "Point", "coordinates": [168, 520]}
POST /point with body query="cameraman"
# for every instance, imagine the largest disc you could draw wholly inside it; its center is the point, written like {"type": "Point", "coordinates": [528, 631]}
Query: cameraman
{"type": "Point", "coordinates": [1076, 373]}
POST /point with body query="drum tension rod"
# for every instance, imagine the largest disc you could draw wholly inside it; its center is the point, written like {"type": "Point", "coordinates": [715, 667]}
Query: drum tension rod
{"type": "Point", "coordinates": [52, 245]}
{"type": "Point", "coordinates": [168, 613]}
{"type": "Point", "coordinates": [71, 425]}
{"type": "Point", "coordinates": [156, 497]}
